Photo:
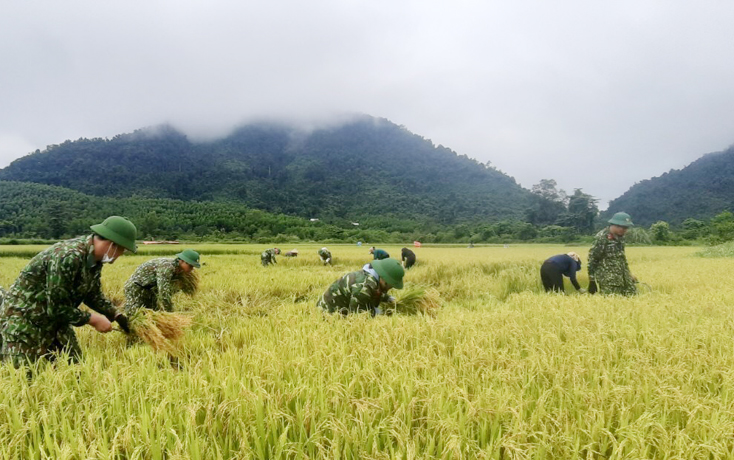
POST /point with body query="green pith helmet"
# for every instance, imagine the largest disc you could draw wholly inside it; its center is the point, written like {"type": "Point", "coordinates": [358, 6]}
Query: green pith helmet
{"type": "Point", "coordinates": [118, 230]}
{"type": "Point", "coordinates": [622, 219]}
{"type": "Point", "coordinates": [189, 256]}
{"type": "Point", "coordinates": [391, 271]}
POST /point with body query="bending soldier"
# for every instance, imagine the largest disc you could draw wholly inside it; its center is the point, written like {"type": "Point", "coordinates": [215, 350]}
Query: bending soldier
{"type": "Point", "coordinates": [364, 289]}
{"type": "Point", "coordinates": [153, 283]}
{"type": "Point", "coordinates": [42, 305]}
{"type": "Point", "coordinates": [609, 272]}
{"type": "Point", "coordinates": [268, 256]}
{"type": "Point", "coordinates": [325, 256]}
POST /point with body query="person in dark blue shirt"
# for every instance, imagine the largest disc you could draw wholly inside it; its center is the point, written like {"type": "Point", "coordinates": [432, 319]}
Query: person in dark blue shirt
{"type": "Point", "coordinates": [553, 270]}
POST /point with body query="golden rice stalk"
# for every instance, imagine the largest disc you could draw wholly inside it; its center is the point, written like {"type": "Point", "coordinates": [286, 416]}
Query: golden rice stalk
{"type": "Point", "coordinates": [415, 300]}
{"type": "Point", "coordinates": [143, 326]}
{"type": "Point", "coordinates": [160, 330]}
{"type": "Point", "coordinates": [188, 283]}
{"type": "Point", "coordinates": [171, 325]}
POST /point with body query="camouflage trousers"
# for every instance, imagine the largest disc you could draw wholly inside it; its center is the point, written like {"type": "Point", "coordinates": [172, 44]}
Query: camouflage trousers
{"type": "Point", "coordinates": [137, 297]}
{"type": "Point", "coordinates": [331, 307]}
{"type": "Point", "coordinates": [627, 289]}
{"type": "Point", "coordinates": [266, 259]}
{"type": "Point", "coordinates": [25, 343]}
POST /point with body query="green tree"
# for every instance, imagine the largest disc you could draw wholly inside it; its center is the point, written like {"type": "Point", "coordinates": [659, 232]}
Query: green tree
{"type": "Point", "coordinates": [722, 227]}
{"type": "Point", "coordinates": [582, 210]}
{"type": "Point", "coordinates": [694, 229]}
{"type": "Point", "coordinates": [660, 232]}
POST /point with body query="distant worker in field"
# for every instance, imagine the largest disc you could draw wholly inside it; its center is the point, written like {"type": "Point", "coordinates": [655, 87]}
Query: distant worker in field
{"type": "Point", "coordinates": [325, 256]}
{"type": "Point", "coordinates": [408, 258]}
{"type": "Point", "coordinates": [609, 272]}
{"type": "Point", "coordinates": [154, 282]}
{"type": "Point", "coordinates": [268, 256]}
{"type": "Point", "coordinates": [553, 270]}
{"type": "Point", "coordinates": [42, 306]}
{"type": "Point", "coordinates": [292, 253]}
{"type": "Point", "coordinates": [364, 289]}
{"type": "Point", "coordinates": [378, 254]}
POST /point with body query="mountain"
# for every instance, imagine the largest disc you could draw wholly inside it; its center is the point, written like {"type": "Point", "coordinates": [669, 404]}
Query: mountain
{"type": "Point", "coordinates": [361, 168]}
{"type": "Point", "coordinates": [701, 190]}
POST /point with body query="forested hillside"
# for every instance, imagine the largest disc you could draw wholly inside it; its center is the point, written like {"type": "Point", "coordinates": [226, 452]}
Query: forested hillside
{"type": "Point", "coordinates": [701, 190]}
{"type": "Point", "coordinates": [364, 168]}
{"type": "Point", "coordinates": [29, 210]}
{"type": "Point", "coordinates": [35, 210]}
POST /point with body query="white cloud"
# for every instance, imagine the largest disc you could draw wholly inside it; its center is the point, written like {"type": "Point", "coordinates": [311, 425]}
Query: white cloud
{"type": "Point", "coordinates": [594, 95]}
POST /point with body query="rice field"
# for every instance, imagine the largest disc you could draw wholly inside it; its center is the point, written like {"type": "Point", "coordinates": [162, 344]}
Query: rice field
{"type": "Point", "coordinates": [501, 371]}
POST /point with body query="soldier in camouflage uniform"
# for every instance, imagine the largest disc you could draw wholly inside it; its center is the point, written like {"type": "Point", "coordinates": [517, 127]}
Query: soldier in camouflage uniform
{"type": "Point", "coordinates": [325, 256]}
{"type": "Point", "coordinates": [152, 284]}
{"type": "Point", "coordinates": [609, 272]}
{"type": "Point", "coordinates": [268, 256]}
{"type": "Point", "coordinates": [364, 289]}
{"type": "Point", "coordinates": [41, 307]}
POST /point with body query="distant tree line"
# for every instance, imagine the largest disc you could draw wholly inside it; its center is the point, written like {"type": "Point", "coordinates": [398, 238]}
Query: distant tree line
{"type": "Point", "coordinates": [35, 211]}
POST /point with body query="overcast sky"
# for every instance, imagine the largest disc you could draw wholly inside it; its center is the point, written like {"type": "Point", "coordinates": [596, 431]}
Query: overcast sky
{"type": "Point", "coordinates": [594, 94]}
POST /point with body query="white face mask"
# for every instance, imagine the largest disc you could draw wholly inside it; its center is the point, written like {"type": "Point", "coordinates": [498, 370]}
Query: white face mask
{"type": "Point", "coordinates": [107, 259]}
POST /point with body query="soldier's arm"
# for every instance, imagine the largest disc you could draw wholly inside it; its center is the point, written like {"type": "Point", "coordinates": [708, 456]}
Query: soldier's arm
{"type": "Point", "coordinates": [164, 278]}
{"type": "Point", "coordinates": [97, 301]}
{"type": "Point", "coordinates": [595, 253]}
{"type": "Point", "coordinates": [61, 308]}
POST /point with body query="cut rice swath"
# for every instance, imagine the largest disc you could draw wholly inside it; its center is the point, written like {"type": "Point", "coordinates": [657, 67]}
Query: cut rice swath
{"type": "Point", "coordinates": [413, 300]}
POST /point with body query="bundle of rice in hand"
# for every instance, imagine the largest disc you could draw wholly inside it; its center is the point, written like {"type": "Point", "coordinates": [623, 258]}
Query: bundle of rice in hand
{"type": "Point", "coordinates": [159, 329]}
{"type": "Point", "coordinates": [188, 283]}
{"type": "Point", "coordinates": [413, 300]}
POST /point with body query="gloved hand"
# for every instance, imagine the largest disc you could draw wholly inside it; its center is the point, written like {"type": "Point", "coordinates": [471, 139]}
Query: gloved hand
{"type": "Point", "coordinates": [392, 299]}
{"type": "Point", "coordinates": [377, 311]}
{"type": "Point", "coordinates": [123, 322]}
{"type": "Point", "coordinates": [582, 291]}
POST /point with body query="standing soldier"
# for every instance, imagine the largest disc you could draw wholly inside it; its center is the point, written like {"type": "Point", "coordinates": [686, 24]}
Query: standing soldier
{"type": "Point", "coordinates": [325, 256]}
{"type": "Point", "coordinates": [153, 283]}
{"type": "Point", "coordinates": [609, 272]}
{"type": "Point", "coordinates": [364, 289]}
{"type": "Point", "coordinates": [268, 256]}
{"type": "Point", "coordinates": [378, 254]}
{"type": "Point", "coordinates": [408, 257]}
{"type": "Point", "coordinates": [42, 305]}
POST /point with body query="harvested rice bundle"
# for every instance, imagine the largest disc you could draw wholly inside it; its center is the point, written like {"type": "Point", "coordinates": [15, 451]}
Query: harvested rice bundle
{"type": "Point", "coordinates": [160, 330]}
{"type": "Point", "coordinates": [171, 325]}
{"type": "Point", "coordinates": [413, 300]}
{"type": "Point", "coordinates": [188, 283]}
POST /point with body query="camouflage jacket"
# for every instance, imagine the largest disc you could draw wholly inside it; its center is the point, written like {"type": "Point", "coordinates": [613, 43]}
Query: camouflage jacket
{"type": "Point", "coordinates": [157, 276]}
{"type": "Point", "coordinates": [55, 282]}
{"type": "Point", "coordinates": [324, 254]}
{"type": "Point", "coordinates": [269, 255]}
{"type": "Point", "coordinates": [608, 263]}
{"type": "Point", "coordinates": [353, 292]}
